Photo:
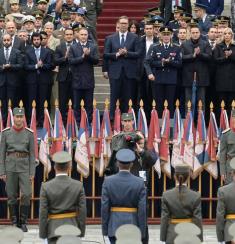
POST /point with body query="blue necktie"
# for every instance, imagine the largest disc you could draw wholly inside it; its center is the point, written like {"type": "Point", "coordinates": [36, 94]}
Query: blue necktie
{"type": "Point", "coordinates": [122, 41]}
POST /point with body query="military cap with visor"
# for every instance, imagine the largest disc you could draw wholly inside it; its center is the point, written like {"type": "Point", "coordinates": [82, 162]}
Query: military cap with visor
{"type": "Point", "coordinates": [61, 157]}
{"type": "Point", "coordinates": [125, 156]}
{"type": "Point", "coordinates": [18, 111]}
{"type": "Point", "coordinates": [182, 169]}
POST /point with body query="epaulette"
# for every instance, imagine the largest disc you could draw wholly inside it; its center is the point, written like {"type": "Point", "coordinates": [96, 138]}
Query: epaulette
{"type": "Point", "coordinates": [29, 129]}
{"type": "Point", "coordinates": [226, 130]}
{"type": "Point", "coordinates": [8, 128]}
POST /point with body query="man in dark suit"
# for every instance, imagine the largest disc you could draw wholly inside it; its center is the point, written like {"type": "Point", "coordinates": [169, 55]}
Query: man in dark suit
{"type": "Point", "coordinates": [82, 57]}
{"type": "Point", "coordinates": [122, 52]}
{"type": "Point", "coordinates": [214, 7]}
{"type": "Point", "coordinates": [10, 64]}
{"type": "Point", "coordinates": [62, 201]}
{"type": "Point", "coordinates": [64, 75]}
{"type": "Point", "coordinates": [39, 66]}
{"type": "Point", "coordinates": [123, 198]}
{"type": "Point", "coordinates": [166, 7]}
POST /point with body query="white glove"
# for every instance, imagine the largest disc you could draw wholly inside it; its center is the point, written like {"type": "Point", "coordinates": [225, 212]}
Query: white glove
{"type": "Point", "coordinates": [106, 239]}
{"type": "Point", "coordinates": [45, 241]}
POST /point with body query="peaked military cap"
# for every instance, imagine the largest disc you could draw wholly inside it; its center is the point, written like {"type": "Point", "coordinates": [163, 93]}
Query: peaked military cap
{"type": "Point", "coordinates": [77, 26]}
{"type": "Point", "coordinates": [18, 111]}
{"type": "Point", "coordinates": [61, 157]}
{"type": "Point", "coordinates": [154, 10]}
{"type": "Point", "coordinates": [187, 239]}
{"type": "Point", "coordinates": [28, 18]}
{"type": "Point", "coordinates": [38, 14]}
{"type": "Point", "coordinates": [73, 9]}
{"type": "Point", "coordinates": [67, 230]}
{"type": "Point", "coordinates": [13, 2]}
{"type": "Point", "coordinates": [223, 19]}
{"type": "Point", "coordinates": [127, 116]}
{"type": "Point", "coordinates": [182, 168]}
{"type": "Point", "coordinates": [200, 6]}
{"type": "Point", "coordinates": [65, 15]}
{"type": "Point", "coordinates": [189, 228]}
{"type": "Point", "coordinates": [2, 16]}
{"type": "Point", "coordinates": [186, 16]}
{"type": "Point", "coordinates": [178, 9]}
{"type": "Point", "coordinates": [193, 23]}
{"type": "Point", "coordinates": [12, 233]}
{"type": "Point", "coordinates": [42, 1]}
{"type": "Point", "coordinates": [231, 230]}
{"type": "Point", "coordinates": [166, 30]}
{"type": "Point", "coordinates": [69, 240]}
{"type": "Point", "coordinates": [81, 11]}
{"type": "Point", "coordinates": [157, 19]}
{"type": "Point", "coordinates": [125, 156]}
{"type": "Point", "coordinates": [128, 230]}
{"type": "Point", "coordinates": [232, 163]}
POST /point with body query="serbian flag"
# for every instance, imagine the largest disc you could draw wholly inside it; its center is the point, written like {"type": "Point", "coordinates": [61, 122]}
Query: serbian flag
{"type": "Point", "coordinates": [82, 153]}
{"type": "Point", "coordinates": [177, 139]}
{"type": "Point", "coordinates": [187, 148]}
{"type": "Point", "coordinates": [33, 127]}
{"type": "Point", "coordinates": [230, 121]}
{"type": "Point", "coordinates": [210, 159]}
{"type": "Point", "coordinates": [104, 140]}
{"type": "Point", "coordinates": [95, 133]}
{"type": "Point", "coordinates": [164, 144]}
{"type": "Point", "coordinates": [71, 130]}
{"type": "Point", "coordinates": [44, 149]}
{"type": "Point", "coordinates": [1, 123]}
{"type": "Point", "coordinates": [10, 120]}
{"type": "Point", "coordinates": [199, 144]}
{"type": "Point", "coordinates": [117, 121]}
{"type": "Point", "coordinates": [58, 133]}
{"type": "Point", "coordinates": [154, 139]}
{"type": "Point", "coordinates": [131, 111]}
{"type": "Point", "coordinates": [142, 122]}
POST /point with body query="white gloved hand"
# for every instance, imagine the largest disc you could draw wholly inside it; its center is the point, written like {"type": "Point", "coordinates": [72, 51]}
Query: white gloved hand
{"type": "Point", "coordinates": [106, 239]}
{"type": "Point", "coordinates": [45, 241]}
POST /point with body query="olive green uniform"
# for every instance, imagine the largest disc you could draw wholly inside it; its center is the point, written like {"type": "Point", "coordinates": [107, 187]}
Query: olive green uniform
{"type": "Point", "coordinates": [227, 152]}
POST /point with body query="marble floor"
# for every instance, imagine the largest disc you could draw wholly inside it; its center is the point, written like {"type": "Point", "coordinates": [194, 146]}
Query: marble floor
{"type": "Point", "coordinates": [93, 235]}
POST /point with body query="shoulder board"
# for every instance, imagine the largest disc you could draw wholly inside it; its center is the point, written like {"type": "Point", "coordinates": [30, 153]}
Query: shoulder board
{"type": "Point", "coordinates": [224, 131]}
{"type": "Point", "coordinates": [8, 128]}
{"type": "Point", "coordinates": [29, 129]}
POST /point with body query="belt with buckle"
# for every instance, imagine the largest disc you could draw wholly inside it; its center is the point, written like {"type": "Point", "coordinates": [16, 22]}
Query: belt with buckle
{"type": "Point", "coordinates": [62, 215]}
{"type": "Point", "coordinates": [124, 209]}
{"type": "Point", "coordinates": [178, 221]}
{"type": "Point", "coordinates": [18, 154]}
{"type": "Point", "coordinates": [230, 216]}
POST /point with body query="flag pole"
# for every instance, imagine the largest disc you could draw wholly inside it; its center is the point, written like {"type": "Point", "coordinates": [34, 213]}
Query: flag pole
{"type": "Point", "coordinates": [82, 107]}
{"type": "Point", "coordinates": [189, 106]}
{"type": "Point", "coordinates": [70, 170]}
{"type": "Point", "coordinates": [222, 105]}
{"type": "Point", "coordinates": [200, 174]}
{"type": "Point", "coordinates": [211, 188]}
{"type": "Point", "coordinates": [45, 169]}
{"type": "Point", "coordinates": [164, 175]}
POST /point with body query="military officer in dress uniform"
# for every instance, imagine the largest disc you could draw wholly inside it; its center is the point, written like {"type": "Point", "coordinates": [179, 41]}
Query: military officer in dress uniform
{"type": "Point", "coordinates": [17, 166]}
{"type": "Point", "coordinates": [225, 212]}
{"type": "Point", "coordinates": [174, 24]}
{"type": "Point", "coordinates": [62, 200]}
{"type": "Point", "coordinates": [123, 198]}
{"type": "Point", "coordinates": [227, 151]}
{"type": "Point", "coordinates": [179, 205]}
{"type": "Point", "coordinates": [162, 63]}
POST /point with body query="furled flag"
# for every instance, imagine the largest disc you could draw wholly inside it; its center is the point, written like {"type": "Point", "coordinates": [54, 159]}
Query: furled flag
{"type": "Point", "coordinates": [105, 140]}
{"type": "Point", "coordinates": [44, 149]}
{"type": "Point", "coordinates": [1, 122]}
{"type": "Point", "coordinates": [33, 127]}
{"type": "Point", "coordinates": [117, 120]}
{"type": "Point", "coordinates": [59, 136]}
{"type": "Point", "coordinates": [82, 153]}
{"type": "Point", "coordinates": [71, 130]}
{"type": "Point", "coordinates": [154, 139]}
{"type": "Point", "coordinates": [199, 144]}
{"type": "Point", "coordinates": [177, 139]}
{"type": "Point", "coordinates": [210, 160]}
{"type": "Point", "coordinates": [10, 120]}
{"type": "Point", "coordinates": [131, 111]}
{"type": "Point", "coordinates": [187, 148]}
{"type": "Point", "coordinates": [95, 133]}
{"type": "Point", "coordinates": [142, 122]}
{"type": "Point", "coordinates": [164, 144]}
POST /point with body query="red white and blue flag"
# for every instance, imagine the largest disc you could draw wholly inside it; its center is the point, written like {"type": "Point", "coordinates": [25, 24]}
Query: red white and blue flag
{"type": "Point", "coordinates": [164, 144]}
{"type": "Point", "coordinates": [142, 122]}
{"type": "Point", "coordinates": [33, 127]}
{"type": "Point", "coordinates": [176, 157]}
{"type": "Point", "coordinates": [82, 153]}
{"type": "Point", "coordinates": [1, 123]}
{"type": "Point", "coordinates": [10, 120]}
{"type": "Point", "coordinates": [210, 159]}
{"type": "Point", "coordinates": [154, 139]}
{"type": "Point", "coordinates": [117, 121]}
{"type": "Point", "coordinates": [131, 111]}
{"type": "Point", "coordinates": [95, 133]}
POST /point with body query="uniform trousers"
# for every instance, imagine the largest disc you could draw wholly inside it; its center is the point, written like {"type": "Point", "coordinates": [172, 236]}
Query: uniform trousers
{"type": "Point", "coordinates": [13, 182]}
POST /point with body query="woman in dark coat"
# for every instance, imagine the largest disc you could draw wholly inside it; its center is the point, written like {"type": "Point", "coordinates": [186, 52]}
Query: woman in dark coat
{"type": "Point", "coordinates": [224, 55]}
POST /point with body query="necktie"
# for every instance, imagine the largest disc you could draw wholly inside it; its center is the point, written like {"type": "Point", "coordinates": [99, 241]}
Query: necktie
{"type": "Point", "coordinates": [37, 52]}
{"type": "Point", "coordinates": [68, 45]}
{"type": "Point", "coordinates": [7, 55]}
{"type": "Point", "coordinates": [212, 43]}
{"type": "Point", "coordinates": [122, 41]}
{"type": "Point", "coordinates": [166, 46]}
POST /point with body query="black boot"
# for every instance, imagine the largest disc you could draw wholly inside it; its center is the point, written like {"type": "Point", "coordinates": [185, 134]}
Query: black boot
{"type": "Point", "coordinates": [13, 209]}
{"type": "Point", "coordinates": [24, 211]}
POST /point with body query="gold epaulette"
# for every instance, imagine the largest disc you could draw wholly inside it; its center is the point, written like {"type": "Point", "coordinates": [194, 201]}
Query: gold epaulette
{"type": "Point", "coordinates": [29, 129]}
{"type": "Point", "coordinates": [226, 130]}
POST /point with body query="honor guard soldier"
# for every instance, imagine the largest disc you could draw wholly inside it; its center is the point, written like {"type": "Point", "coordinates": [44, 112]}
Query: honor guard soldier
{"type": "Point", "coordinates": [62, 200]}
{"type": "Point", "coordinates": [174, 24]}
{"type": "Point", "coordinates": [227, 151]}
{"type": "Point", "coordinates": [17, 167]}
{"type": "Point", "coordinates": [179, 205]}
{"type": "Point", "coordinates": [123, 198]}
{"type": "Point", "coordinates": [225, 213]}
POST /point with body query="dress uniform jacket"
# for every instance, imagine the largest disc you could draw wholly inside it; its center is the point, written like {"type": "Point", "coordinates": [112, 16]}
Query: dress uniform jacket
{"type": "Point", "coordinates": [189, 207]}
{"type": "Point", "coordinates": [166, 74]}
{"type": "Point", "coordinates": [61, 195]}
{"type": "Point", "coordinates": [123, 190]}
{"type": "Point", "coordinates": [227, 152]}
{"type": "Point", "coordinates": [13, 142]}
{"type": "Point", "coordinates": [199, 64]}
{"type": "Point", "coordinates": [205, 25]}
{"type": "Point", "coordinates": [225, 68]}
{"type": "Point", "coordinates": [225, 206]}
